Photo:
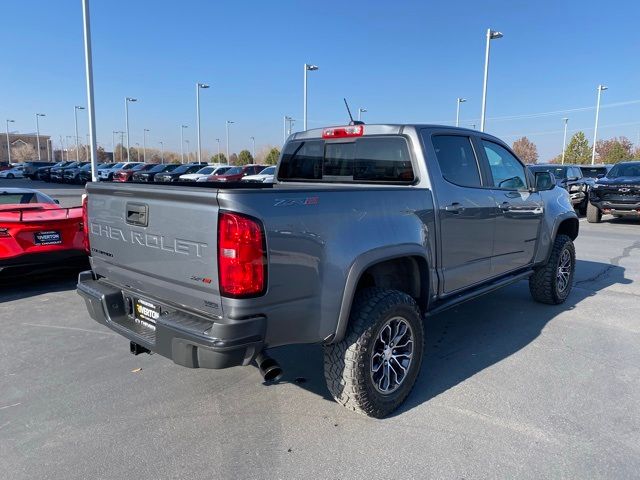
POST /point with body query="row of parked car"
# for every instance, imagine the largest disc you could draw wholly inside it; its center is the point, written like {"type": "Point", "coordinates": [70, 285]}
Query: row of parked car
{"type": "Point", "coordinates": [80, 172]}
{"type": "Point", "coordinates": [599, 189]}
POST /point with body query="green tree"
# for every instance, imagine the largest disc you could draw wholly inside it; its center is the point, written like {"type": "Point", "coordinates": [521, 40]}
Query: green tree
{"type": "Point", "coordinates": [273, 156]}
{"type": "Point", "coordinates": [219, 158]}
{"type": "Point", "coordinates": [245, 158]}
{"type": "Point", "coordinates": [578, 150]}
{"type": "Point", "coordinates": [614, 150]}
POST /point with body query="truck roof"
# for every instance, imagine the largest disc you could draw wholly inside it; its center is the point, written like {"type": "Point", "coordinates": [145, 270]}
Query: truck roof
{"type": "Point", "coordinates": [378, 129]}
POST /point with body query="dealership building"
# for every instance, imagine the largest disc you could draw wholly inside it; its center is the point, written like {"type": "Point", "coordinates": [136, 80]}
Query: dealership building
{"type": "Point", "coordinates": [16, 140]}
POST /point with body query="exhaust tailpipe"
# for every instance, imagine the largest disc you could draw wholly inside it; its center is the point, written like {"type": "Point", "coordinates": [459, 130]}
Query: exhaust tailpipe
{"type": "Point", "coordinates": [269, 368]}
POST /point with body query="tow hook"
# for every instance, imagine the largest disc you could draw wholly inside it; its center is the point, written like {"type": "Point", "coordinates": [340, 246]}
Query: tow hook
{"type": "Point", "coordinates": [270, 369]}
{"type": "Point", "coordinates": [136, 349]}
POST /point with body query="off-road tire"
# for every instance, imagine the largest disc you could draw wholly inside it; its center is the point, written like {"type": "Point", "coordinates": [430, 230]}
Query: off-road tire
{"type": "Point", "coordinates": [544, 284]}
{"type": "Point", "coordinates": [594, 215]}
{"type": "Point", "coordinates": [347, 364]}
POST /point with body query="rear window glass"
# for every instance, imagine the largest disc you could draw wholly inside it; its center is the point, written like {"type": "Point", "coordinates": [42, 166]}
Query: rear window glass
{"type": "Point", "coordinates": [369, 159]}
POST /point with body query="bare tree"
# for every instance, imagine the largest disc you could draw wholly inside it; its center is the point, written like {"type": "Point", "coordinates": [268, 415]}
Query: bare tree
{"type": "Point", "coordinates": [526, 150]}
{"type": "Point", "coordinates": [614, 150]}
{"type": "Point", "coordinates": [23, 153]}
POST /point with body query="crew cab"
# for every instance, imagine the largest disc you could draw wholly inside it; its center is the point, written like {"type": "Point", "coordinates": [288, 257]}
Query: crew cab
{"type": "Point", "coordinates": [617, 193]}
{"type": "Point", "coordinates": [366, 229]}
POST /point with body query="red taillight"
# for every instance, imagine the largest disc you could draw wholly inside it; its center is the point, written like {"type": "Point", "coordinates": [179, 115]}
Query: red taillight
{"type": "Point", "coordinates": [343, 132]}
{"type": "Point", "coordinates": [85, 225]}
{"type": "Point", "coordinates": [242, 262]}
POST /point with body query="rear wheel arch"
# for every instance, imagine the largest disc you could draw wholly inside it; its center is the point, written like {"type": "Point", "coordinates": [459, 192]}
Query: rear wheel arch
{"type": "Point", "coordinates": [569, 227]}
{"type": "Point", "coordinates": [407, 273]}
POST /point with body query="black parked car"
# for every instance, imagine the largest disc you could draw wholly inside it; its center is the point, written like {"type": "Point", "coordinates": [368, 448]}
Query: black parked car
{"type": "Point", "coordinates": [149, 175]}
{"type": "Point", "coordinates": [84, 175]}
{"type": "Point", "coordinates": [595, 171]}
{"type": "Point", "coordinates": [617, 193]}
{"type": "Point", "coordinates": [571, 179]}
{"type": "Point", "coordinates": [30, 168]}
{"type": "Point", "coordinates": [174, 175]}
{"type": "Point", "coordinates": [71, 174]}
{"type": "Point", "coordinates": [57, 173]}
{"type": "Point", "coordinates": [44, 173]}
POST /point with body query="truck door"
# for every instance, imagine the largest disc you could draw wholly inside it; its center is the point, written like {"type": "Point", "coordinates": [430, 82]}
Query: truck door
{"type": "Point", "coordinates": [518, 210]}
{"type": "Point", "coordinates": [466, 210]}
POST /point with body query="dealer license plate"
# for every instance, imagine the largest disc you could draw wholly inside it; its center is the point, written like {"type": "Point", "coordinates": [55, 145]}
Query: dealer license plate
{"type": "Point", "coordinates": [50, 237]}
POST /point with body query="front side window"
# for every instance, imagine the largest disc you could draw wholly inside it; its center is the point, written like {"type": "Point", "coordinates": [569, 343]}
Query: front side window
{"type": "Point", "coordinates": [507, 171]}
{"type": "Point", "coordinates": [457, 160]}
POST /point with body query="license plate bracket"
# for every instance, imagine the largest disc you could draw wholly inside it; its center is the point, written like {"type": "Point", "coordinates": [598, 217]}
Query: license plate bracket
{"type": "Point", "coordinates": [48, 237]}
{"type": "Point", "coordinates": [146, 311]}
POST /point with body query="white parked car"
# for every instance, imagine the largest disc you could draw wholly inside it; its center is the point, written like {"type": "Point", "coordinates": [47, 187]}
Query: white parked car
{"type": "Point", "coordinates": [202, 175]}
{"type": "Point", "coordinates": [15, 172]}
{"type": "Point", "coordinates": [265, 176]}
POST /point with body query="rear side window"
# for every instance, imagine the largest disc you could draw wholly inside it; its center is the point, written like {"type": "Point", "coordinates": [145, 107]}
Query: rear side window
{"type": "Point", "coordinates": [457, 160]}
{"type": "Point", "coordinates": [368, 159]}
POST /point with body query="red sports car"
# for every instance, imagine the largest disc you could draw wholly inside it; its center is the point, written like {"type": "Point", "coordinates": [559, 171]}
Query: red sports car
{"type": "Point", "coordinates": [37, 232]}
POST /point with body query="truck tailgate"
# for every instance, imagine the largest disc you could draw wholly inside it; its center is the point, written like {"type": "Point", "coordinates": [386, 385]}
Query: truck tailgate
{"type": "Point", "coordinates": [160, 242]}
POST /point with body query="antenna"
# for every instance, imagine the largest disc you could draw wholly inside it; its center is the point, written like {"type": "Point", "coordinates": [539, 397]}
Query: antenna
{"type": "Point", "coordinates": [353, 122]}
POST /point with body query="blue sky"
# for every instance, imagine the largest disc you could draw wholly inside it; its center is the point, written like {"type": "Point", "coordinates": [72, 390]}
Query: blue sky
{"type": "Point", "coordinates": [405, 61]}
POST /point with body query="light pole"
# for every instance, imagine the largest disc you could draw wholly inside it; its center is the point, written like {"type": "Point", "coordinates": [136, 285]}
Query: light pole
{"type": "Point", "coordinates": [161, 151]}
{"type": "Point", "coordinates": [89, 80]}
{"type": "Point", "coordinates": [69, 138]}
{"type": "Point", "coordinates": [564, 141]}
{"type": "Point", "coordinates": [113, 144]}
{"type": "Point", "coordinates": [284, 128]}
{"type": "Point", "coordinates": [126, 114]}
{"type": "Point", "coordinates": [38, 131]}
{"type": "Point", "coordinates": [188, 151]}
{"type": "Point", "coordinates": [307, 68]}
{"type": "Point", "coordinates": [144, 144]}
{"type": "Point", "coordinates": [198, 87]}
{"type": "Point", "coordinates": [137, 152]}
{"type": "Point", "coordinates": [458, 102]}
{"type": "Point", "coordinates": [253, 141]}
{"type": "Point", "coordinates": [182, 127]}
{"type": "Point", "coordinates": [75, 117]}
{"type": "Point", "coordinates": [601, 88]}
{"type": "Point", "coordinates": [491, 35]}
{"type": "Point", "coordinates": [229, 122]}
{"type": "Point", "coordinates": [8, 144]}
{"type": "Point", "coordinates": [218, 142]}
{"type": "Point", "coordinates": [291, 122]}
{"type": "Point", "coordinates": [360, 112]}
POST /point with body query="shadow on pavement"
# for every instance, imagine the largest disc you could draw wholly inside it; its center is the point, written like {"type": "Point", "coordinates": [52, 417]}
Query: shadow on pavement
{"type": "Point", "coordinates": [19, 286]}
{"type": "Point", "coordinates": [466, 339]}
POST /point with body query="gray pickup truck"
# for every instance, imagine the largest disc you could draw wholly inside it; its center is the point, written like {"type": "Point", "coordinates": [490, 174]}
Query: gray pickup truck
{"type": "Point", "coordinates": [367, 229]}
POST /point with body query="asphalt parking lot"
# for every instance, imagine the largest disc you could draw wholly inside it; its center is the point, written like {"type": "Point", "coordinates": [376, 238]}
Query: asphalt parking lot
{"type": "Point", "coordinates": [508, 388]}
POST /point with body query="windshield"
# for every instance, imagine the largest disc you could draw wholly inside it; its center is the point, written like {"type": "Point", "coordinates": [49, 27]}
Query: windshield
{"type": "Point", "coordinates": [221, 170]}
{"type": "Point", "coordinates": [232, 171]}
{"type": "Point", "coordinates": [268, 171]}
{"type": "Point", "coordinates": [625, 170]}
{"type": "Point", "coordinates": [182, 169]}
{"type": "Point", "coordinates": [164, 168]}
{"type": "Point", "coordinates": [142, 166]}
{"type": "Point", "coordinates": [205, 170]}
{"type": "Point", "coordinates": [118, 165]}
{"type": "Point", "coordinates": [593, 172]}
{"type": "Point", "coordinates": [558, 172]}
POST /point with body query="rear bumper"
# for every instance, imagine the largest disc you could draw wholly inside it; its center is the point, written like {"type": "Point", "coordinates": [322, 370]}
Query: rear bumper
{"type": "Point", "coordinates": [189, 340]}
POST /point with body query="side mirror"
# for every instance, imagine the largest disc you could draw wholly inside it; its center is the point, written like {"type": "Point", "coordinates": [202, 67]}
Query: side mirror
{"type": "Point", "coordinates": [544, 181]}
{"type": "Point", "coordinates": [57, 201]}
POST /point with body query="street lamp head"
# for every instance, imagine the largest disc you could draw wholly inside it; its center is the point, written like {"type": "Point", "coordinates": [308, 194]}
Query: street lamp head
{"type": "Point", "coordinates": [184, 126]}
{"type": "Point", "coordinates": [203, 85]}
{"type": "Point", "coordinates": [229, 122]}
{"type": "Point", "coordinates": [565, 119]}
{"type": "Point", "coordinates": [10, 121]}
{"type": "Point", "coordinates": [129, 99]}
{"type": "Point", "coordinates": [462, 100]}
{"type": "Point", "coordinates": [310, 67]}
{"type": "Point", "coordinates": [602, 87]}
{"type": "Point", "coordinates": [40, 115]}
{"type": "Point", "coordinates": [78, 107]}
{"type": "Point", "coordinates": [493, 35]}
{"type": "Point", "coordinates": [363, 110]}
{"type": "Point", "coordinates": [146, 130]}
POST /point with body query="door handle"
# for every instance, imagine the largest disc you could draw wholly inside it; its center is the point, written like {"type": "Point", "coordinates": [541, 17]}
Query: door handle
{"type": "Point", "coordinates": [505, 206]}
{"type": "Point", "coordinates": [454, 208]}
